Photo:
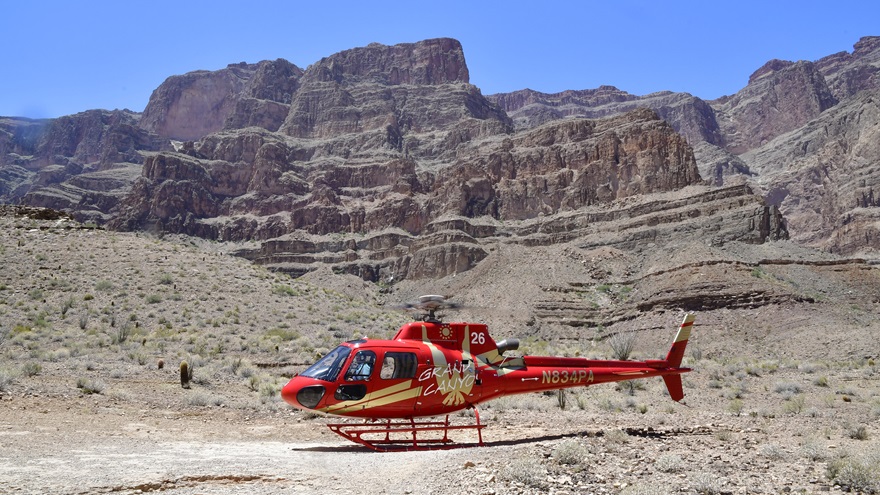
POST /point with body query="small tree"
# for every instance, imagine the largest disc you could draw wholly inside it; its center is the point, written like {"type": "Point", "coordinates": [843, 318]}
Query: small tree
{"type": "Point", "coordinates": [622, 345]}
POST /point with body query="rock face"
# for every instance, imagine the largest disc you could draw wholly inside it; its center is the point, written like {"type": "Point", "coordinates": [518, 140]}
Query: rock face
{"type": "Point", "coordinates": [780, 97]}
{"type": "Point", "coordinates": [825, 176]}
{"type": "Point", "coordinates": [767, 133]}
{"type": "Point", "coordinates": [385, 162]}
{"type": "Point", "coordinates": [560, 167]}
{"type": "Point", "coordinates": [691, 116]}
{"type": "Point", "coordinates": [82, 163]}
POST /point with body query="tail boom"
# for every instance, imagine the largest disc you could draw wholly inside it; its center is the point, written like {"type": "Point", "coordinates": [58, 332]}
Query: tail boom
{"type": "Point", "coordinates": [542, 373]}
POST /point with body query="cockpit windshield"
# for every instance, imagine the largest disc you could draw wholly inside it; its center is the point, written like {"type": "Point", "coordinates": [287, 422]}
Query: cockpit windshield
{"type": "Point", "coordinates": [328, 367]}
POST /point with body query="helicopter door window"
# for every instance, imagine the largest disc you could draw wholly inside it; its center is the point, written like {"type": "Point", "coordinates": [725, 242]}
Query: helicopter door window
{"type": "Point", "coordinates": [397, 365]}
{"type": "Point", "coordinates": [361, 366]}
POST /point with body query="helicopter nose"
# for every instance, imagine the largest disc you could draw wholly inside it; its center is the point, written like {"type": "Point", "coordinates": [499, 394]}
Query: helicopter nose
{"type": "Point", "coordinates": [302, 394]}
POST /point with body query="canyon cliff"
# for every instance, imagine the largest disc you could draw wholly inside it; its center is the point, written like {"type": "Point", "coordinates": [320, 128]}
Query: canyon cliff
{"type": "Point", "coordinates": [386, 163]}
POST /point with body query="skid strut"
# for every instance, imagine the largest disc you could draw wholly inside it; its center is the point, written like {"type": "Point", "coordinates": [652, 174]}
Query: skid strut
{"type": "Point", "coordinates": [402, 435]}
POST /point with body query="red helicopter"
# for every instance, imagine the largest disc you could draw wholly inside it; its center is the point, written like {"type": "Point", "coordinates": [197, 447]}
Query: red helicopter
{"type": "Point", "coordinates": [432, 368]}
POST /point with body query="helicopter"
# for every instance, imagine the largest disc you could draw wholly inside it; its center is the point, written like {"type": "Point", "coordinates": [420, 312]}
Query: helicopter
{"type": "Point", "coordinates": [431, 368]}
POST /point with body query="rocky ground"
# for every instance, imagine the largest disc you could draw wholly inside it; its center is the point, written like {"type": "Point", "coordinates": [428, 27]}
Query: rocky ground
{"type": "Point", "coordinates": [784, 396]}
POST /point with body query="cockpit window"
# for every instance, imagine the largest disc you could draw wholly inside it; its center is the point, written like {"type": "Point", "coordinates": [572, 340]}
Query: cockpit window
{"type": "Point", "coordinates": [328, 367]}
{"type": "Point", "coordinates": [361, 366]}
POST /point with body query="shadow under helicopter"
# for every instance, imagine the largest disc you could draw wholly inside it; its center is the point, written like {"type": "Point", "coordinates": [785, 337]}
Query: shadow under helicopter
{"type": "Point", "coordinates": [358, 449]}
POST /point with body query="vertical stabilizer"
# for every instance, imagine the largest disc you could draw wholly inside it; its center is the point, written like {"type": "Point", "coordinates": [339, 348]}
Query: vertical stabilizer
{"type": "Point", "coordinates": [676, 352]}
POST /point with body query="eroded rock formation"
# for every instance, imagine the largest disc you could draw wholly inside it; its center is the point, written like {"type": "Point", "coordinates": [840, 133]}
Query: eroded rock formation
{"type": "Point", "coordinates": [385, 162]}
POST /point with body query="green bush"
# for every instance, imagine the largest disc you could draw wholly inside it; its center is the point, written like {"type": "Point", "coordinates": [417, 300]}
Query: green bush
{"type": "Point", "coordinates": [284, 290]}
{"type": "Point", "coordinates": [31, 369]}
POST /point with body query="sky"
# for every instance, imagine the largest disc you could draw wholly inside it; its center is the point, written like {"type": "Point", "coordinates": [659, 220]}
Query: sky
{"type": "Point", "coordinates": [64, 57]}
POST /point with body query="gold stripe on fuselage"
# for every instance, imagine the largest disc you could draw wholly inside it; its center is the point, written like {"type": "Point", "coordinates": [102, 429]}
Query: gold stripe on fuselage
{"type": "Point", "coordinates": [389, 395]}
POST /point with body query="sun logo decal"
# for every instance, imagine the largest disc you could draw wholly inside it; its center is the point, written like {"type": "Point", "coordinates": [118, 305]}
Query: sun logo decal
{"type": "Point", "coordinates": [446, 332]}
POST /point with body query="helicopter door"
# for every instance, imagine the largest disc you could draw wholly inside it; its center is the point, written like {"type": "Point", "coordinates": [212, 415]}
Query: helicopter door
{"type": "Point", "coordinates": [396, 386]}
{"type": "Point", "coordinates": [354, 383]}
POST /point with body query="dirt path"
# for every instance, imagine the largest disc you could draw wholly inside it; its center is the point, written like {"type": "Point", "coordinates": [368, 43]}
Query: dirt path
{"type": "Point", "coordinates": [48, 447]}
{"type": "Point", "coordinates": [33, 463]}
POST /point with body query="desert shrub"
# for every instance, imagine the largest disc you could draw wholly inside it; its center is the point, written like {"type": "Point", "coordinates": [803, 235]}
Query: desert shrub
{"type": "Point", "coordinates": [154, 299]}
{"type": "Point", "coordinates": [812, 450]}
{"type": "Point", "coordinates": [772, 451]}
{"type": "Point", "coordinates": [58, 355]}
{"type": "Point", "coordinates": [787, 387]}
{"type": "Point", "coordinates": [669, 463]}
{"type": "Point", "coordinates": [122, 334]}
{"type": "Point", "coordinates": [808, 368]}
{"type": "Point", "coordinates": [858, 432]}
{"type": "Point", "coordinates": [821, 381]}
{"type": "Point", "coordinates": [570, 453]}
{"type": "Point", "coordinates": [855, 474]}
{"type": "Point", "coordinates": [630, 387]}
{"type": "Point", "coordinates": [7, 378]}
{"type": "Point", "coordinates": [735, 406]}
{"type": "Point", "coordinates": [103, 285]}
{"type": "Point", "coordinates": [269, 392]}
{"type": "Point", "coordinates": [616, 436]}
{"type": "Point", "coordinates": [66, 305]}
{"type": "Point", "coordinates": [622, 345]}
{"type": "Point", "coordinates": [283, 334]}
{"type": "Point", "coordinates": [706, 483]}
{"type": "Point", "coordinates": [166, 279]}
{"type": "Point", "coordinates": [199, 398]}
{"type": "Point", "coordinates": [794, 405]}
{"type": "Point", "coordinates": [90, 386]}
{"type": "Point", "coordinates": [523, 470]}
{"type": "Point", "coordinates": [39, 320]}
{"type": "Point", "coordinates": [609, 405]}
{"type": "Point", "coordinates": [284, 290]}
{"type": "Point", "coordinates": [31, 369]}
{"type": "Point", "coordinates": [735, 391]}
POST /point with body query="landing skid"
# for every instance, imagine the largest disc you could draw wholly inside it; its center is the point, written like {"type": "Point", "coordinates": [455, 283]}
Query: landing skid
{"type": "Point", "coordinates": [403, 435]}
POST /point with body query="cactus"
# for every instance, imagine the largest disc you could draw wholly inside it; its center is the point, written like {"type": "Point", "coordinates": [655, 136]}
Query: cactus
{"type": "Point", "coordinates": [185, 374]}
{"type": "Point", "coordinates": [561, 398]}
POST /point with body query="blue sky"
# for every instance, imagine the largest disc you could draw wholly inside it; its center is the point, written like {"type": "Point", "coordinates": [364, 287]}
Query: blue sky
{"type": "Point", "coordinates": [64, 57]}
